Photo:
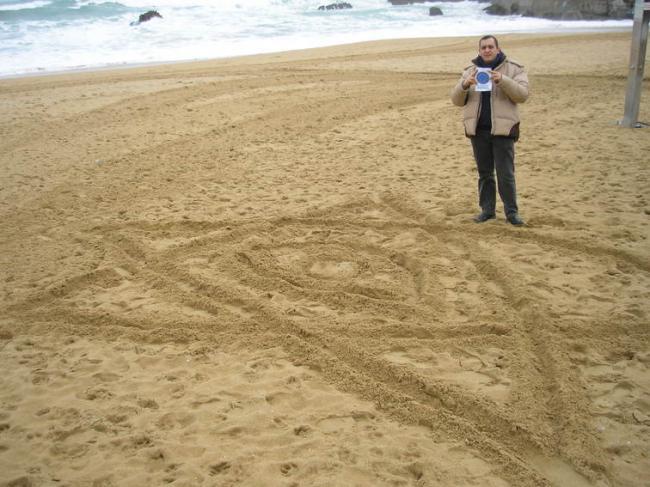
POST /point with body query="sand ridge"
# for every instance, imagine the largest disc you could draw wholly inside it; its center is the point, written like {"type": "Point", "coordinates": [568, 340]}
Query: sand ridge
{"type": "Point", "coordinates": [263, 271]}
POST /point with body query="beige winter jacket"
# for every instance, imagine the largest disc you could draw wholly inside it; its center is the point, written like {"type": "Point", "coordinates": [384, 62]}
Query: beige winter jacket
{"type": "Point", "coordinates": [512, 89]}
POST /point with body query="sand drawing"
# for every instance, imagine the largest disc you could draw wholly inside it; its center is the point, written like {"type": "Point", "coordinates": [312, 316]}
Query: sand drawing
{"type": "Point", "coordinates": [258, 285]}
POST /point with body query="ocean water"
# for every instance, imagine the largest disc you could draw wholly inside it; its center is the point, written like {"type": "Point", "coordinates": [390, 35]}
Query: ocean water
{"type": "Point", "coordinates": [53, 35]}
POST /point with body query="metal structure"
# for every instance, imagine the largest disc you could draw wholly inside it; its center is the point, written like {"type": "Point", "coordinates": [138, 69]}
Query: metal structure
{"type": "Point", "coordinates": [637, 62]}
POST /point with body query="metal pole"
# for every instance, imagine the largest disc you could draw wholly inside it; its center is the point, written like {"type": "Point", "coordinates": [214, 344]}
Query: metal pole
{"type": "Point", "coordinates": [637, 61]}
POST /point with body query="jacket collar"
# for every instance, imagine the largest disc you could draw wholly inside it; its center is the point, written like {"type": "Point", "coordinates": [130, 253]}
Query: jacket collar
{"type": "Point", "coordinates": [478, 61]}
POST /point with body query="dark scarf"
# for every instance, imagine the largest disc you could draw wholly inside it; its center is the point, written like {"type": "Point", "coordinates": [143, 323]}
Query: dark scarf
{"type": "Point", "coordinates": [485, 117]}
{"type": "Point", "coordinates": [478, 60]}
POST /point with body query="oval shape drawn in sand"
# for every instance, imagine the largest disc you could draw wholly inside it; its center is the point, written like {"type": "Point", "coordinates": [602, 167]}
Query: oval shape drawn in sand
{"type": "Point", "coordinates": [333, 270]}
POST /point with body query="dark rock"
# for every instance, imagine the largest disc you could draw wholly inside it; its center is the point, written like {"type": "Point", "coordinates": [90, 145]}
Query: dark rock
{"type": "Point", "coordinates": [564, 9]}
{"type": "Point", "coordinates": [496, 9]}
{"type": "Point", "coordinates": [147, 16]}
{"type": "Point", "coordinates": [335, 6]}
{"type": "Point", "coordinates": [572, 15]}
{"type": "Point", "coordinates": [435, 11]}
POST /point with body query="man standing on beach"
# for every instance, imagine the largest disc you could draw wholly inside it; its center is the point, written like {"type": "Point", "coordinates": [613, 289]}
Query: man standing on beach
{"type": "Point", "coordinates": [489, 90]}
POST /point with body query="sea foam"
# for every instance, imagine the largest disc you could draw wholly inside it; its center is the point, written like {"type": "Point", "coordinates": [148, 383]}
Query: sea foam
{"type": "Point", "coordinates": [49, 35]}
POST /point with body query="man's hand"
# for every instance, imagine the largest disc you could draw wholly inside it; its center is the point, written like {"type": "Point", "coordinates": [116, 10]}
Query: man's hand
{"type": "Point", "coordinates": [470, 80]}
{"type": "Point", "coordinates": [496, 76]}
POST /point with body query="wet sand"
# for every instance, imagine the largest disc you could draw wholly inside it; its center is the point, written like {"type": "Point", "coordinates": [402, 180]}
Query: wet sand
{"type": "Point", "coordinates": [264, 271]}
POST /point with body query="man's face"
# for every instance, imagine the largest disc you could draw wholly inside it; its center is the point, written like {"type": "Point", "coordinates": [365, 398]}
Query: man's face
{"type": "Point", "coordinates": [488, 50]}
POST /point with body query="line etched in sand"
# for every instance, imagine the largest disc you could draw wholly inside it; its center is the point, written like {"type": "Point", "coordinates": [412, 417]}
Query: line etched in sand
{"type": "Point", "coordinates": [298, 285]}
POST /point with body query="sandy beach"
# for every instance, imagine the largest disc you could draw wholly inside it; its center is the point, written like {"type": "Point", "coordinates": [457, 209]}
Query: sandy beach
{"type": "Point", "coordinates": [263, 271]}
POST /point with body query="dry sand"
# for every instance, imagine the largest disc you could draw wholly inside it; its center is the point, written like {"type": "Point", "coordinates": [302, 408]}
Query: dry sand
{"type": "Point", "coordinates": [263, 271]}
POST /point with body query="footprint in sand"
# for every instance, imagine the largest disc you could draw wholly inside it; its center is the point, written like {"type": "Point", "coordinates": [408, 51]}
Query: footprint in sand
{"type": "Point", "coordinates": [618, 389]}
{"type": "Point", "coordinates": [219, 468]}
{"type": "Point", "coordinates": [288, 468]}
{"type": "Point", "coordinates": [483, 372]}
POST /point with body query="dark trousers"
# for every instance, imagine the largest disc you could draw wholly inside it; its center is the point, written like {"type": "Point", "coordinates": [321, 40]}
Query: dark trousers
{"type": "Point", "coordinates": [495, 152]}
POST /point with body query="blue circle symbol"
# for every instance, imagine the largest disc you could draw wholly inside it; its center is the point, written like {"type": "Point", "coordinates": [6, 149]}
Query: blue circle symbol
{"type": "Point", "coordinates": [482, 77]}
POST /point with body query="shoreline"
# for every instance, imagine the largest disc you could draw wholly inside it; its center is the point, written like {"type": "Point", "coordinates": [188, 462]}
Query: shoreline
{"type": "Point", "coordinates": [126, 66]}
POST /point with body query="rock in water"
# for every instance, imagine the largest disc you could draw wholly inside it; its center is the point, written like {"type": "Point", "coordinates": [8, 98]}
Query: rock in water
{"type": "Point", "coordinates": [564, 9]}
{"type": "Point", "coordinates": [335, 6]}
{"type": "Point", "coordinates": [145, 17]}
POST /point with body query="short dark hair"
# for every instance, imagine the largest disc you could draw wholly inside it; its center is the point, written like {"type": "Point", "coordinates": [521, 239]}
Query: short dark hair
{"type": "Point", "coordinates": [485, 38]}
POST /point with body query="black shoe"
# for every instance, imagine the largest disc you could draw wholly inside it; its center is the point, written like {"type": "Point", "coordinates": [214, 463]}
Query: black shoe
{"type": "Point", "coordinates": [515, 220]}
{"type": "Point", "coordinates": [483, 217]}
